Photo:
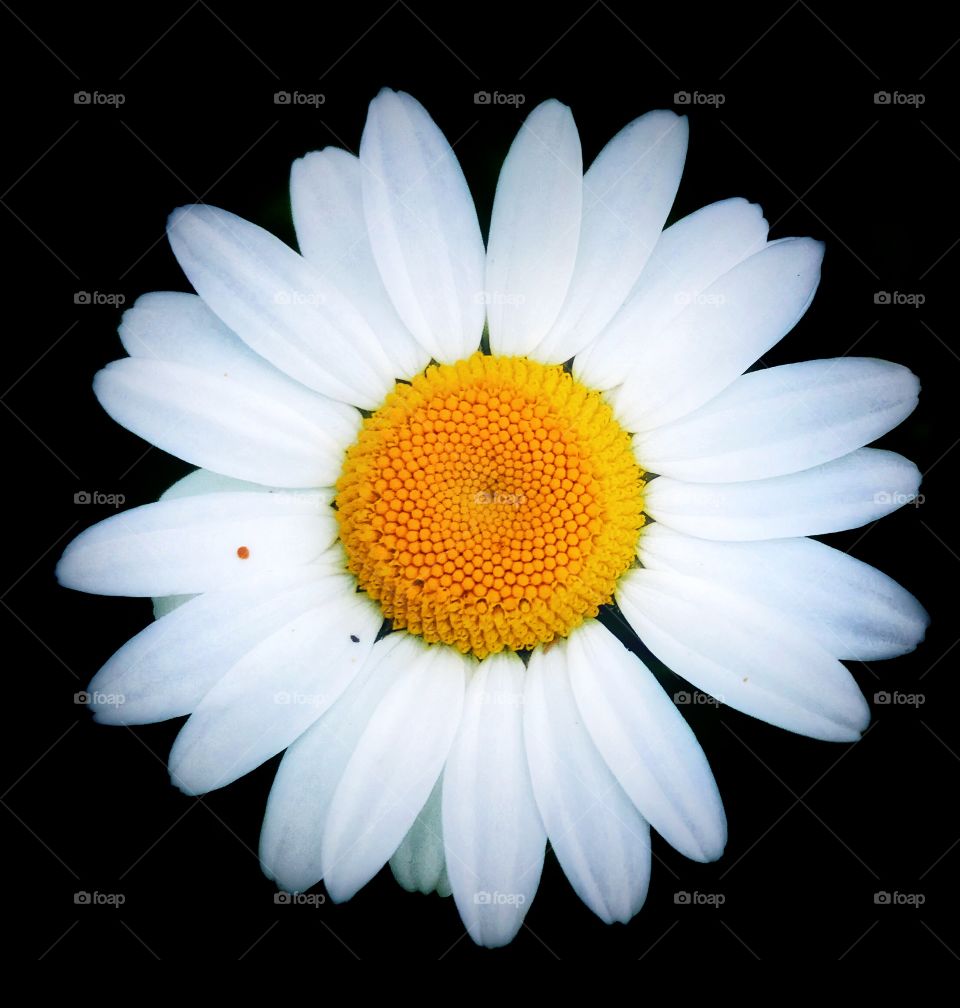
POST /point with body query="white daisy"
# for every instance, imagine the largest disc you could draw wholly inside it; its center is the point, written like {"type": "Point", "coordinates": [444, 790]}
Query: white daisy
{"type": "Point", "coordinates": [488, 504]}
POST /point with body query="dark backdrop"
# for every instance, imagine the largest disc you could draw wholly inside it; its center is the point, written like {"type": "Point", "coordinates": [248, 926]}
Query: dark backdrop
{"type": "Point", "coordinates": [816, 830]}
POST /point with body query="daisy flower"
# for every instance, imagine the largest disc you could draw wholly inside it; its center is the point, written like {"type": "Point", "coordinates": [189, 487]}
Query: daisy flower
{"type": "Point", "coordinates": [426, 465]}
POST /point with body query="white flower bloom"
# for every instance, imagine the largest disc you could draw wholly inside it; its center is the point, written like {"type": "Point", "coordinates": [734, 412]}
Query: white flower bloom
{"type": "Point", "coordinates": [488, 504]}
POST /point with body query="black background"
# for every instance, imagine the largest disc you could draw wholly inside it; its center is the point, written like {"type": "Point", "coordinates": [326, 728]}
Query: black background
{"type": "Point", "coordinates": [816, 830]}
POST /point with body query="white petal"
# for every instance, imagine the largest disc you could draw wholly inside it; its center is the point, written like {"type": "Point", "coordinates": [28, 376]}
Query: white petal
{"type": "Point", "coordinates": [627, 194]}
{"type": "Point", "coordinates": [311, 770]}
{"type": "Point", "coordinates": [846, 493]}
{"type": "Point", "coordinates": [194, 389]}
{"type": "Point", "coordinates": [534, 230]}
{"type": "Point", "coordinates": [744, 653]}
{"type": "Point", "coordinates": [493, 838]}
{"type": "Point", "coordinates": [277, 689]}
{"type": "Point", "coordinates": [394, 767]}
{"type": "Point", "coordinates": [180, 328]}
{"type": "Point", "coordinates": [179, 547]}
{"type": "Point", "coordinates": [280, 305]}
{"type": "Point", "coordinates": [646, 743]}
{"type": "Point", "coordinates": [781, 420]}
{"type": "Point", "coordinates": [853, 610]}
{"type": "Point", "coordinates": [601, 841]}
{"type": "Point", "coordinates": [327, 205]}
{"type": "Point", "coordinates": [720, 334]}
{"type": "Point", "coordinates": [165, 604]}
{"type": "Point", "coordinates": [689, 256]}
{"type": "Point", "coordinates": [216, 422]}
{"type": "Point", "coordinates": [418, 863]}
{"type": "Point", "coordinates": [203, 481]}
{"type": "Point", "coordinates": [423, 226]}
{"type": "Point", "coordinates": [167, 669]}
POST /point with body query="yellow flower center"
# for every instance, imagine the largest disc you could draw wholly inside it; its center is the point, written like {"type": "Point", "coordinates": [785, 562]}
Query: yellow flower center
{"type": "Point", "coordinates": [491, 504]}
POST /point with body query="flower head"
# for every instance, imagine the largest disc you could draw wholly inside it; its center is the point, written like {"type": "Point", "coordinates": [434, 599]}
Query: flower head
{"type": "Point", "coordinates": [426, 465]}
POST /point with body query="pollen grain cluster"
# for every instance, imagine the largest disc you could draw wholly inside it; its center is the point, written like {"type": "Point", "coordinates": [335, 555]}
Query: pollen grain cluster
{"type": "Point", "coordinates": [490, 504]}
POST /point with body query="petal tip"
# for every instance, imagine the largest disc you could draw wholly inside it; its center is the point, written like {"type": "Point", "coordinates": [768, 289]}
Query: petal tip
{"type": "Point", "coordinates": [340, 890]}
{"type": "Point", "coordinates": [175, 218]}
{"type": "Point", "coordinates": [67, 571]}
